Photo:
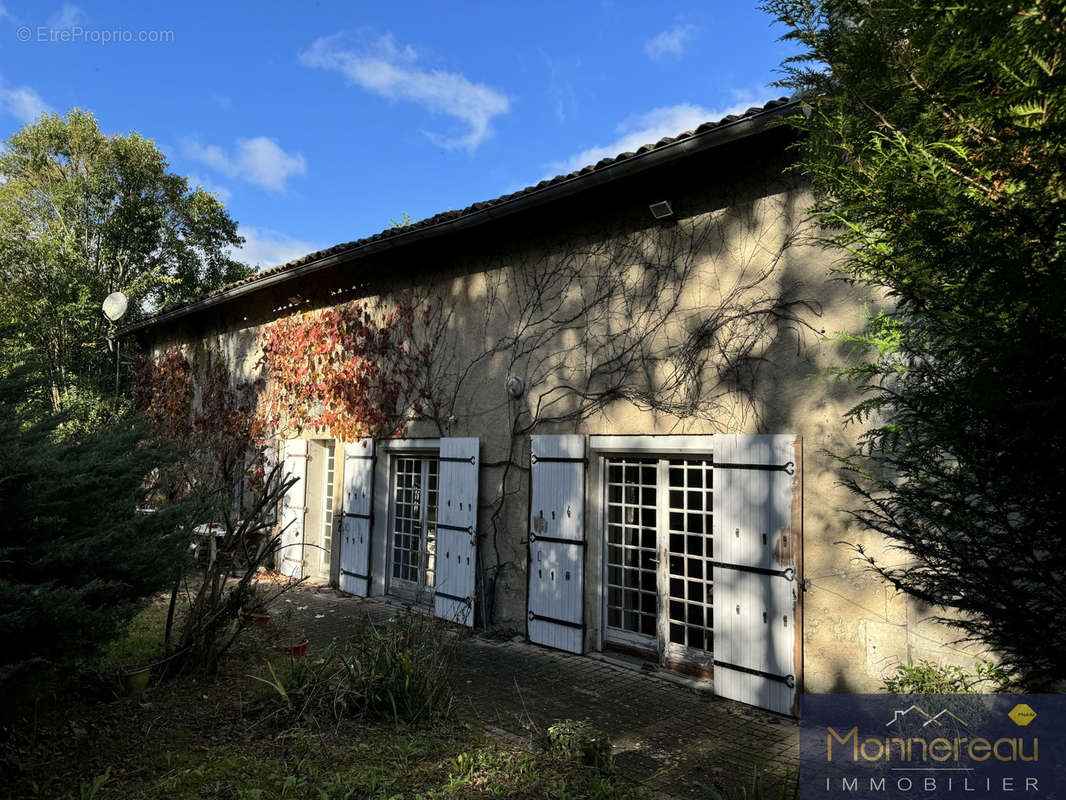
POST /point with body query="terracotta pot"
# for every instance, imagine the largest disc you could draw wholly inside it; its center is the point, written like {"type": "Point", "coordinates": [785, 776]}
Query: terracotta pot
{"type": "Point", "coordinates": [296, 650]}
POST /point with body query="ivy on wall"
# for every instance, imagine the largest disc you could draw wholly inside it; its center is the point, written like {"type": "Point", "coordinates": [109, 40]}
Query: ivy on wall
{"type": "Point", "coordinates": [221, 431]}
{"type": "Point", "coordinates": [346, 370]}
{"type": "Point", "coordinates": [163, 392]}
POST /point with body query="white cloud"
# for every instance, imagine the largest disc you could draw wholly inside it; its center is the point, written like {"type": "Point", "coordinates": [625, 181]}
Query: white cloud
{"type": "Point", "coordinates": [221, 192]}
{"type": "Point", "coordinates": [66, 17]}
{"type": "Point", "coordinates": [22, 103]}
{"type": "Point", "coordinates": [651, 126]}
{"type": "Point", "coordinates": [265, 248]}
{"type": "Point", "coordinates": [670, 43]}
{"type": "Point", "coordinates": [260, 161]}
{"type": "Point", "coordinates": [393, 72]}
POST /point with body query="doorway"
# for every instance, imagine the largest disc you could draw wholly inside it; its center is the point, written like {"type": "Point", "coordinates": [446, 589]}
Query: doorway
{"type": "Point", "coordinates": [413, 526]}
{"type": "Point", "coordinates": [657, 558]}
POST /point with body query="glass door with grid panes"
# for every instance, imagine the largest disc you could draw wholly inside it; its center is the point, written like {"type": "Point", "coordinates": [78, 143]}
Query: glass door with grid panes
{"type": "Point", "coordinates": [327, 505]}
{"type": "Point", "coordinates": [658, 525]}
{"type": "Point", "coordinates": [412, 525]}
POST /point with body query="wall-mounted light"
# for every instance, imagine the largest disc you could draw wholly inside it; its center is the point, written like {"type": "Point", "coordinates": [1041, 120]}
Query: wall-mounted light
{"type": "Point", "coordinates": [515, 387]}
{"type": "Point", "coordinates": [661, 210]}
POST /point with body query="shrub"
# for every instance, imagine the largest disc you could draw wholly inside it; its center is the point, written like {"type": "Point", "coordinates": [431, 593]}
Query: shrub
{"type": "Point", "coordinates": [77, 555]}
{"type": "Point", "coordinates": [579, 741]}
{"type": "Point", "coordinates": [929, 678]}
{"type": "Point", "coordinates": [399, 670]}
{"type": "Point", "coordinates": [761, 786]}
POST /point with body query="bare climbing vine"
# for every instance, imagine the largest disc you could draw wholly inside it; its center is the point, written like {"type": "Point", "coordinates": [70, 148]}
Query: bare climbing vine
{"type": "Point", "coordinates": [668, 320]}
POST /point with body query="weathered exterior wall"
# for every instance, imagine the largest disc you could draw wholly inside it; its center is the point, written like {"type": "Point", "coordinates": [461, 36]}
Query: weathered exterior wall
{"type": "Point", "coordinates": [734, 214]}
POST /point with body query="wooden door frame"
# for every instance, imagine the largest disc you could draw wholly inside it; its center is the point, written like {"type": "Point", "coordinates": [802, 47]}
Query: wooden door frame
{"type": "Point", "coordinates": [407, 590]}
{"type": "Point", "coordinates": [600, 449]}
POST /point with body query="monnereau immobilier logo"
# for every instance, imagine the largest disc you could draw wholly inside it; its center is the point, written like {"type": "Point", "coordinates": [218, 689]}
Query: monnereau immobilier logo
{"type": "Point", "coordinates": [929, 746]}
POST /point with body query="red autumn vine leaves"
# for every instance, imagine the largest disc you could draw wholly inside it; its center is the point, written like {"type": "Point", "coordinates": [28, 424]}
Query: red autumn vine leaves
{"type": "Point", "coordinates": [163, 391]}
{"type": "Point", "coordinates": [345, 370]}
{"type": "Point", "coordinates": [341, 369]}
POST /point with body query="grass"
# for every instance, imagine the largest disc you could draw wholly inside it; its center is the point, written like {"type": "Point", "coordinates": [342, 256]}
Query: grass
{"type": "Point", "coordinates": [141, 645]}
{"type": "Point", "coordinates": [193, 737]}
{"type": "Point", "coordinates": [378, 762]}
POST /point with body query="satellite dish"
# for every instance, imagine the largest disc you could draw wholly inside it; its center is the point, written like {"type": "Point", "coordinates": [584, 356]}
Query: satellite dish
{"type": "Point", "coordinates": [115, 306]}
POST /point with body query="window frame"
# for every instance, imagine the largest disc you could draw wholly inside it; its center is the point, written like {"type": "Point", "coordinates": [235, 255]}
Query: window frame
{"type": "Point", "coordinates": [601, 448]}
{"type": "Point", "coordinates": [391, 450]}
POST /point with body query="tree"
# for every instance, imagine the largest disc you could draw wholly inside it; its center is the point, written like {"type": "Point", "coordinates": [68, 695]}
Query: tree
{"type": "Point", "coordinates": [935, 142]}
{"type": "Point", "coordinates": [82, 215]}
{"type": "Point", "coordinates": [78, 551]}
{"type": "Point", "coordinates": [237, 483]}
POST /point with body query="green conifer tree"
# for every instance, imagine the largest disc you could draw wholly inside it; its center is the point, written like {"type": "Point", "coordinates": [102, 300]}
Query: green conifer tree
{"type": "Point", "coordinates": [935, 138]}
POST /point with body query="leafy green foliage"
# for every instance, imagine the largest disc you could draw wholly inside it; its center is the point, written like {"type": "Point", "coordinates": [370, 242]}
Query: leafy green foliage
{"type": "Point", "coordinates": [78, 552]}
{"type": "Point", "coordinates": [88, 790]}
{"type": "Point", "coordinates": [761, 786]}
{"type": "Point", "coordinates": [580, 741]}
{"type": "Point", "coordinates": [934, 136]}
{"type": "Point", "coordinates": [925, 677]}
{"type": "Point", "coordinates": [139, 645]}
{"type": "Point", "coordinates": [399, 670]}
{"type": "Point", "coordinates": [82, 215]}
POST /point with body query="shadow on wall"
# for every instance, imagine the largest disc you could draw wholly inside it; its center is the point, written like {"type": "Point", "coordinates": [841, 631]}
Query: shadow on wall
{"type": "Point", "coordinates": [706, 323]}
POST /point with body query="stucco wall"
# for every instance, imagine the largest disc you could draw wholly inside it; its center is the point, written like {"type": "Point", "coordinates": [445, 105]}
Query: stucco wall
{"type": "Point", "coordinates": [503, 300]}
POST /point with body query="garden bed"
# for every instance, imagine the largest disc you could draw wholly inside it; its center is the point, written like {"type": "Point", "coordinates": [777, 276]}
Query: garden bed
{"type": "Point", "coordinates": [194, 737]}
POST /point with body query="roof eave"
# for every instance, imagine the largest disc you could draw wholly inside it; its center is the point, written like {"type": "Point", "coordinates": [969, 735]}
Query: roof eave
{"type": "Point", "coordinates": [715, 137]}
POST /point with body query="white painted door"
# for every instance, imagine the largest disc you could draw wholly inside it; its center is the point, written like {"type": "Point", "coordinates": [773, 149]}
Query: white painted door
{"type": "Point", "coordinates": [756, 576]}
{"type": "Point", "coordinates": [456, 543]}
{"type": "Point", "coordinates": [557, 541]}
{"type": "Point", "coordinates": [293, 509]}
{"type": "Point", "coordinates": [357, 517]}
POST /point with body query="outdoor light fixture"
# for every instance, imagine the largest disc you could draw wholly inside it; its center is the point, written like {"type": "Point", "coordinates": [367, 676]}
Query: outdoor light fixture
{"type": "Point", "coordinates": [515, 387]}
{"type": "Point", "coordinates": [661, 210]}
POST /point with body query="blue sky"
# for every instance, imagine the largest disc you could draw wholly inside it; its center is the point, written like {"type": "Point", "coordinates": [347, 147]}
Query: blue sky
{"type": "Point", "coordinates": [318, 123]}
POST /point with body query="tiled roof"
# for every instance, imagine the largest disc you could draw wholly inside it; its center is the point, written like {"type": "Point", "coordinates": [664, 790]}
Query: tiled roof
{"type": "Point", "coordinates": [451, 216]}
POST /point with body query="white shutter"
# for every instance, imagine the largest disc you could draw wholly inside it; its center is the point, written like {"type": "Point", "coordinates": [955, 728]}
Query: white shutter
{"type": "Point", "coordinates": [557, 541]}
{"type": "Point", "coordinates": [456, 557]}
{"type": "Point", "coordinates": [293, 509]}
{"type": "Point", "coordinates": [357, 517]}
{"type": "Point", "coordinates": [756, 570]}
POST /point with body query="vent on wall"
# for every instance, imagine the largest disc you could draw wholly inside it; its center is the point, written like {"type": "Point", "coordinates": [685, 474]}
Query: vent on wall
{"type": "Point", "coordinates": [661, 210]}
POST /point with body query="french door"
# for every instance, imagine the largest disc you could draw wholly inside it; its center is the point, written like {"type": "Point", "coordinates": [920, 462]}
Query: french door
{"type": "Point", "coordinates": [329, 450]}
{"type": "Point", "coordinates": [413, 527]}
{"type": "Point", "coordinates": [659, 589]}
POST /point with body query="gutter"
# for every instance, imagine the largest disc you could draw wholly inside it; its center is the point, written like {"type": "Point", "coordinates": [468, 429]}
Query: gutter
{"type": "Point", "coordinates": [715, 137]}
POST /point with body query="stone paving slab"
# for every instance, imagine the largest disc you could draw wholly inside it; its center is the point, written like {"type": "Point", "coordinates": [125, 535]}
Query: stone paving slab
{"type": "Point", "coordinates": [670, 739]}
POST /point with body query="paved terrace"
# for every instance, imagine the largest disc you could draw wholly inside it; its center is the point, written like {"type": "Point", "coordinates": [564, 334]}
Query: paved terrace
{"type": "Point", "coordinates": [670, 738]}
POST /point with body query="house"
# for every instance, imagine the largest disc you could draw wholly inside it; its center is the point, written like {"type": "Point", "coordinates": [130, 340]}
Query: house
{"type": "Point", "coordinates": [626, 447]}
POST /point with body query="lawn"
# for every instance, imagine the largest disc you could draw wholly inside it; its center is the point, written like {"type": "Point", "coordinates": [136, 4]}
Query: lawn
{"type": "Point", "coordinates": [234, 735]}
